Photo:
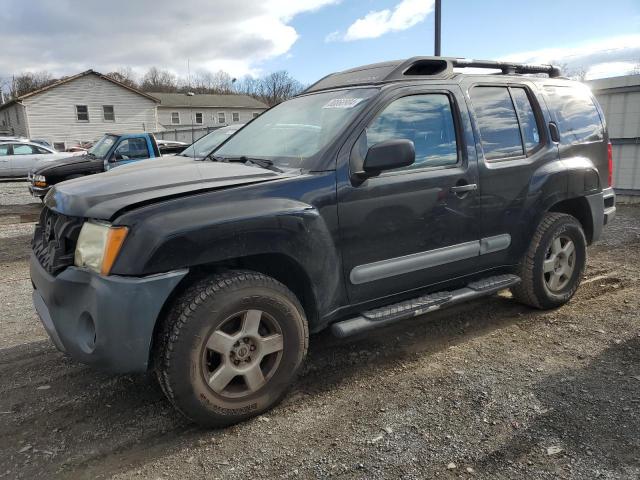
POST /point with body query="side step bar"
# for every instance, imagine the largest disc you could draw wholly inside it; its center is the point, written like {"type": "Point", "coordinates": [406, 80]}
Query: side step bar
{"type": "Point", "coordinates": [420, 305]}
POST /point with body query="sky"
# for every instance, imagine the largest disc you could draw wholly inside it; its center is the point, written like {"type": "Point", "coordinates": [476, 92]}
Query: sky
{"type": "Point", "coordinates": [310, 38]}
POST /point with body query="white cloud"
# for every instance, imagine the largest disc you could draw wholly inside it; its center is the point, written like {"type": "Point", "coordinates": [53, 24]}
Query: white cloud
{"type": "Point", "coordinates": [67, 36]}
{"type": "Point", "coordinates": [596, 58]}
{"type": "Point", "coordinates": [374, 24]}
{"type": "Point", "coordinates": [610, 69]}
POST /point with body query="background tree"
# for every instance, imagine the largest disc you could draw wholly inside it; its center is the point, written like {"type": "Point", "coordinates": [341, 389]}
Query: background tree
{"type": "Point", "coordinates": [157, 80]}
{"type": "Point", "coordinates": [125, 76]}
{"type": "Point", "coordinates": [28, 82]}
{"type": "Point", "coordinates": [278, 87]}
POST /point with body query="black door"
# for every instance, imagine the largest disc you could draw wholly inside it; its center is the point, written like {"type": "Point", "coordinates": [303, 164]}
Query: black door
{"type": "Point", "coordinates": [416, 226]}
{"type": "Point", "coordinates": [517, 155]}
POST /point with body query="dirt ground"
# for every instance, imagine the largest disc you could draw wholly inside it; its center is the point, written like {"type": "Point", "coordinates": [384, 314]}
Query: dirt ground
{"type": "Point", "coordinates": [486, 390]}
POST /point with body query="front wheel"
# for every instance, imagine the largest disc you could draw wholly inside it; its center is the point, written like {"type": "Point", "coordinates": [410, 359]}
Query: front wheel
{"type": "Point", "coordinates": [554, 264]}
{"type": "Point", "coordinates": [231, 346]}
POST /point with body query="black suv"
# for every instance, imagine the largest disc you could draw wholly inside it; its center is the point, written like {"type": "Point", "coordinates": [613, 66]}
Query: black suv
{"type": "Point", "coordinates": [381, 193]}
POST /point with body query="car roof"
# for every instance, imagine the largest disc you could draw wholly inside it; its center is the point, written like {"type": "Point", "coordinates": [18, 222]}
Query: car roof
{"type": "Point", "coordinates": [25, 142]}
{"type": "Point", "coordinates": [424, 68]}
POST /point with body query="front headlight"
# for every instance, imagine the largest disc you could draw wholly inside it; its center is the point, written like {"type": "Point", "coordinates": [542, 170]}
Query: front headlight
{"type": "Point", "coordinates": [98, 246]}
{"type": "Point", "coordinates": [39, 180]}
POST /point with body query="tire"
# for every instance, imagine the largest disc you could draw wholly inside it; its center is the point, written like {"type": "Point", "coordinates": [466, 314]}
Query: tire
{"type": "Point", "coordinates": [550, 274]}
{"type": "Point", "coordinates": [230, 347]}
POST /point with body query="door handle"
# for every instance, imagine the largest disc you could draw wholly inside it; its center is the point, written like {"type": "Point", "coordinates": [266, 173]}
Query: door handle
{"type": "Point", "coordinates": [468, 187]}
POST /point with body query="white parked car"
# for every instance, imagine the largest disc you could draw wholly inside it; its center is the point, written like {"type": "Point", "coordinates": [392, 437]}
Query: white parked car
{"type": "Point", "coordinates": [17, 158]}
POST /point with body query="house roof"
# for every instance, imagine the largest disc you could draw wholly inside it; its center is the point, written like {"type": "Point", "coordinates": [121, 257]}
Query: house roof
{"type": "Point", "coordinates": [208, 100]}
{"type": "Point", "coordinates": [75, 77]}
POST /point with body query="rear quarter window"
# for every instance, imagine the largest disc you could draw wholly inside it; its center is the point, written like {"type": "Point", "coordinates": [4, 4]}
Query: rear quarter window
{"type": "Point", "coordinates": [577, 116]}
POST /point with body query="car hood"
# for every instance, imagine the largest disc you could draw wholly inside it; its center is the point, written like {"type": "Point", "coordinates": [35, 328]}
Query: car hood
{"type": "Point", "coordinates": [45, 166]}
{"type": "Point", "coordinates": [101, 196]}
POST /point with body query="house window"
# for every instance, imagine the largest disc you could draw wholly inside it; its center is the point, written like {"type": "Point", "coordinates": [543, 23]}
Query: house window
{"type": "Point", "coordinates": [221, 117]}
{"type": "Point", "coordinates": [108, 113]}
{"type": "Point", "coordinates": [175, 118]}
{"type": "Point", "coordinates": [235, 116]}
{"type": "Point", "coordinates": [59, 146]}
{"type": "Point", "coordinates": [82, 113]}
{"type": "Point", "coordinates": [198, 117]}
{"type": "Point", "coordinates": [256, 114]}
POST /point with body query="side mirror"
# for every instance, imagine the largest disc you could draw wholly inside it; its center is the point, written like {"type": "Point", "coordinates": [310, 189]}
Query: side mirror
{"type": "Point", "coordinates": [116, 157]}
{"type": "Point", "coordinates": [388, 155]}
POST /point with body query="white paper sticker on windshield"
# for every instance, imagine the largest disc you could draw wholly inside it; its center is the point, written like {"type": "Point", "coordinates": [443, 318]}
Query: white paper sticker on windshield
{"type": "Point", "coordinates": [343, 103]}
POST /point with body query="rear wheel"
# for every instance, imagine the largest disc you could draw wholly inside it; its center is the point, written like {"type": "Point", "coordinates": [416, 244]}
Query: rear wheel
{"type": "Point", "coordinates": [230, 347]}
{"type": "Point", "coordinates": [554, 264]}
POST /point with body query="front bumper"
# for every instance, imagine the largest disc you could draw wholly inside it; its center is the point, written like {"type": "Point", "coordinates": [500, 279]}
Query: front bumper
{"type": "Point", "coordinates": [107, 321]}
{"type": "Point", "coordinates": [39, 192]}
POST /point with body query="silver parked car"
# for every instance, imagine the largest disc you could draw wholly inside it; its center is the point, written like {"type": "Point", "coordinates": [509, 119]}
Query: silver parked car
{"type": "Point", "coordinates": [17, 158]}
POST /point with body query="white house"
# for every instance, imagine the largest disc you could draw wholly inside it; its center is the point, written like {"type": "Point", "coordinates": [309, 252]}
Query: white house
{"type": "Point", "coordinates": [178, 110]}
{"type": "Point", "coordinates": [80, 108]}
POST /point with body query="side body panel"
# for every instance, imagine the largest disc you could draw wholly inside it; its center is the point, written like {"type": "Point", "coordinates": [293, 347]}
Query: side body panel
{"type": "Point", "coordinates": [515, 192]}
{"type": "Point", "coordinates": [407, 230]}
{"type": "Point", "coordinates": [293, 218]}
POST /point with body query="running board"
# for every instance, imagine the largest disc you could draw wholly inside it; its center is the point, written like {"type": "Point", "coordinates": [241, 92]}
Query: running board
{"type": "Point", "coordinates": [420, 305]}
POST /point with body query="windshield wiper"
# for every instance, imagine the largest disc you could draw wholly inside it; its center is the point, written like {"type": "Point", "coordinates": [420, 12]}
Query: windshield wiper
{"type": "Point", "coordinates": [261, 162]}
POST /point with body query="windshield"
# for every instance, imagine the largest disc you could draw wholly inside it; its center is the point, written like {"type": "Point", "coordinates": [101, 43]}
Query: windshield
{"type": "Point", "coordinates": [296, 130]}
{"type": "Point", "coordinates": [203, 147]}
{"type": "Point", "coordinates": [103, 146]}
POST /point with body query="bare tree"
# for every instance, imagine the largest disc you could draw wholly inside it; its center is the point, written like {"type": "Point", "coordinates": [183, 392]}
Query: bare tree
{"type": "Point", "coordinates": [248, 86]}
{"type": "Point", "coordinates": [207, 82]}
{"type": "Point", "coordinates": [29, 82]}
{"type": "Point", "coordinates": [278, 87]}
{"type": "Point", "coordinates": [157, 80]}
{"type": "Point", "coordinates": [125, 76]}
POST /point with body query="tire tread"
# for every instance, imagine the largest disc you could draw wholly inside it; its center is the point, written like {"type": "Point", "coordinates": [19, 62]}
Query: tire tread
{"type": "Point", "coordinates": [186, 304]}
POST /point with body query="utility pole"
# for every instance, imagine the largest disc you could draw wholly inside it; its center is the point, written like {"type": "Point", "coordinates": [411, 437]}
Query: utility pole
{"type": "Point", "coordinates": [438, 21]}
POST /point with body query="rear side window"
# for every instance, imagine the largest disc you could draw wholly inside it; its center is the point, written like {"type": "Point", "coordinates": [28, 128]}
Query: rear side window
{"type": "Point", "coordinates": [23, 149]}
{"type": "Point", "coordinates": [577, 115]}
{"type": "Point", "coordinates": [506, 120]}
{"type": "Point", "coordinates": [497, 121]}
{"type": "Point", "coordinates": [527, 117]}
{"type": "Point", "coordinates": [426, 120]}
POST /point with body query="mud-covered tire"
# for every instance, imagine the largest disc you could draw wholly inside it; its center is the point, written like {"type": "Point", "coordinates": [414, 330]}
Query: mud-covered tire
{"type": "Point", "coordinates": [183, 355]}
{"type": "Point", "coordinates": [535, 289]}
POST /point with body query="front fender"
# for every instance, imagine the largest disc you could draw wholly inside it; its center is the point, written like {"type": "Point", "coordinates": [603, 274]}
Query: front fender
{"type": "Point", "coordinates": [220, 227]}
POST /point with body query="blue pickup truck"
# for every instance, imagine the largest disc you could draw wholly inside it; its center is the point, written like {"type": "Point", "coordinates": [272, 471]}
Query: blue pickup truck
{"type": "Point", "coordinates": [109, 152]}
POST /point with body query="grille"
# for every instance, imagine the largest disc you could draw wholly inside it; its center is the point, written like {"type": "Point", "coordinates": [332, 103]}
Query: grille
{"type": "Point", "coordinates": [54, 240]}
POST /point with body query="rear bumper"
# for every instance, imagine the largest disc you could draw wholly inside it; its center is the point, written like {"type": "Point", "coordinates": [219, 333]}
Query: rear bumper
{"type": "Point", "coordinates": [603, 210]}
{"type": "Point", "coordinates": [107, 322]}
{"type": "Point", "coordinates": [609, 199]}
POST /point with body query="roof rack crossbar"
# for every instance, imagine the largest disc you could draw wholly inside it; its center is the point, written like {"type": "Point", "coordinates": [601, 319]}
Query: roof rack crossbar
{"type": "Point", "coordinates": [507, 67]}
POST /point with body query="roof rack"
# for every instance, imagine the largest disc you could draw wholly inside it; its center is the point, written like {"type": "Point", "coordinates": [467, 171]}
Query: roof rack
{"type": "Point", "coordinates": [432, 67]}
{"type": "Point", "coordinates": [506, 67]}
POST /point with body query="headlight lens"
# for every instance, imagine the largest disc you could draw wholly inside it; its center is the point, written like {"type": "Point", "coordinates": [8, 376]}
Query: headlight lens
{"type": "Point", "coordinates": [39, 180]}
{"type": "Point", "coordinates": [98, 246]}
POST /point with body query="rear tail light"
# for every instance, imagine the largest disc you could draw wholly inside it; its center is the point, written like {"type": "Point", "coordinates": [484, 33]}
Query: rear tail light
{"type": "Point", "coordinates": [610, 160]}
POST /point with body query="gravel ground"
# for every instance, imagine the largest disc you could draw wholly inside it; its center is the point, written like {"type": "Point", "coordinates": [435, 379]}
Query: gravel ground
{"type": "Point", "coordinates": [486, 390]}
